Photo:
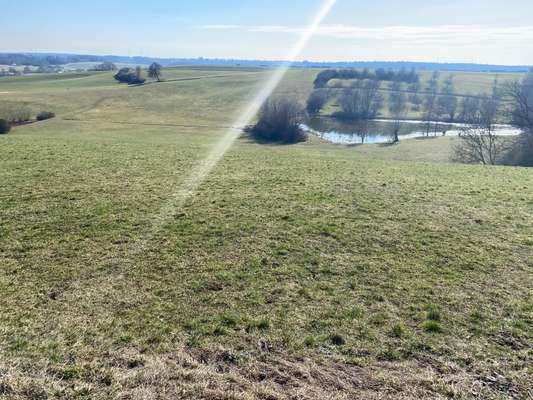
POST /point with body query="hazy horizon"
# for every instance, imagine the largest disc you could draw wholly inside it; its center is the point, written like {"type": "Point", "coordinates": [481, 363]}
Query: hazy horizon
{"type": "Point", "coordinates": [442, 32]}
{"type": "Point", "coordinates": [148, 56]}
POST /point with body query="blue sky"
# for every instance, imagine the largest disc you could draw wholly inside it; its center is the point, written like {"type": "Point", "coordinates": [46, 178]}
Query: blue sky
{"type": "Point", "coordinates": [490, 31]}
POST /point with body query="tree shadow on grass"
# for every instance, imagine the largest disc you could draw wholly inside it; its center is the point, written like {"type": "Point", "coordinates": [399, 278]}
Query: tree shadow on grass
{"type": "Point", "coordinates": [252, 137]}
{"type": "Point", "coordinates": [389, 144]}
{"type": "Point", "coordinates": [427, 137]}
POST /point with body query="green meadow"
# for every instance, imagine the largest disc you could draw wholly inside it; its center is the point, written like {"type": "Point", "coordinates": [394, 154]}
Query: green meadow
{"type": "Point", "coordinates": [309, 271]}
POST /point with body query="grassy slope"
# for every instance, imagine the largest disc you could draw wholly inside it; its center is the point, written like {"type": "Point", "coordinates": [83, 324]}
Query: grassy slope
{"type": "Point", "coordinates": [283, 251]}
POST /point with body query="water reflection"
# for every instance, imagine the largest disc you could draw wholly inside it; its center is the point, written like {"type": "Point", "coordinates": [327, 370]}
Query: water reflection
{"type": "Point", "coordinates": [381, 131]}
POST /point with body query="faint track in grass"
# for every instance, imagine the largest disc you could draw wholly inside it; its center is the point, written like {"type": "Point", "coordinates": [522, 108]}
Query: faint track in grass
{"type": "Point", "coordinates": [169, 125]}
{"type": "Point", "coordinates": [197, 78]}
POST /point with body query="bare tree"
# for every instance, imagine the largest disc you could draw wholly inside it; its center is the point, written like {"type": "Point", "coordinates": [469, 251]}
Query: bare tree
{"type": "Point", "coordinates": [478, 140]}
{"type": "Point", "coordinates": [448, 101]}
{"type": "Point", "coordinates": [430, 106]}
{"type": "Point", "coordinates": [433, 83]}
{"type": "Point", "coordinates": [469, 108]}
{"type": "Point", "coordinates": [154, 71]}
{"type": "Point", "coordinates": [521, 94]}
{"type": "Point", "coordinates": [398, 111]}
{"type": "Point", "coordinates": [361, 103]}
{"type": "Point", "coordinates": [279, 121]}
{"type": "Point", "coordinates": [317, 100]}
{"type": "Point", "coordinates": [414, 97]}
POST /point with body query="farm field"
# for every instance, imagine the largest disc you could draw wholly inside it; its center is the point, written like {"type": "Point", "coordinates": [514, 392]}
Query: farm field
{"type": "Point", "coordinates": [307, 271]}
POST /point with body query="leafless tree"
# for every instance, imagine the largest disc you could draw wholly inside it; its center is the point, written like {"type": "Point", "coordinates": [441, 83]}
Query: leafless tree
{"type": "Point", "coordinates": [279, 121]}
{"type": "Point", "coordinates": [154, 71]}
{"type": "Point", "coordinates": [362, 128]}
{"type": "Point", "coordinates": [416, 100]}
{"type": "Point", "coordinates": [362, 103]}
{"type": "Point", "coordinates": [469, 108]}
{"type": "Point", "coordinates": [398, 111]}
{"type": "Point", "coordinates": [430, 106]}
{"type": "Point", "coordinates": [521, 94]}
{"type": "Point", "coordinates": [317, 100]}
{"type": "Point", "coordinates": [478, 140]}
{"type": "Point", "coordinates": [447, 103]}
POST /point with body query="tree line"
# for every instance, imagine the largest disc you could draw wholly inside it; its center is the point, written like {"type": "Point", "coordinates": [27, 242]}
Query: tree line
{"type": "Point", "coordinates": [435, 103]}
{"type": "Point", "coordinates": [379, 74]}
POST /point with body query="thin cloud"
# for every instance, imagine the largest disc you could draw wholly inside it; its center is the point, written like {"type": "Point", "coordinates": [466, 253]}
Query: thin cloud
{"type": "Point", "coordinates": [421, 35]}
{"type": "Point", "coordinates": [221, 27]}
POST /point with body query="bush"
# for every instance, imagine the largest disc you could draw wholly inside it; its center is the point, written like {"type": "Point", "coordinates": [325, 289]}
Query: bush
{"type": "Point", "coordinates": [520, 151]}
{"type": "Point", "coordinates": [5, 127]}
{"type": "Point", "coordinates": [19, 116]}
{"type": "Point", "coordinates": [129, 76]}
{"type": "Point", "coordinates": [316, 101]}
{"type": "Point", "coordinates": [279, 122]}
{"type": "Point", "coordinates": [45, 115]}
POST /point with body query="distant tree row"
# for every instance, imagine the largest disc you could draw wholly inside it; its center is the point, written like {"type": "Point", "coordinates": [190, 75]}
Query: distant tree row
{"type": "Point", "coordinates": [380, 74]}
{"type": "Point", "coordinates": [105, 66]}
{"type": "Point", "coordinates": [435, 102]}
{"type": "Point", "coordinates": [44, 59]}
{"type": "Point", "coordinates": [43, 69]}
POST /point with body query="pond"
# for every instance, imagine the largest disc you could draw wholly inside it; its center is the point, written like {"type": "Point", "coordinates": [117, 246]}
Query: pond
{"type": "Point", "coordinates": [381, 131]}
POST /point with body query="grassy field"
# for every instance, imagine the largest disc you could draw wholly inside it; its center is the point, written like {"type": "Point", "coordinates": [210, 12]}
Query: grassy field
{"type": "Point", "coordinates": [313, 271]}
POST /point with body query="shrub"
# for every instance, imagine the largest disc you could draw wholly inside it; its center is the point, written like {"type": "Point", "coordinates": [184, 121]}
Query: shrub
{"type": "Point", "coordinates": [44, 115]}
{"type": "Point", "coordinates": [279, 122]}
{"type": "Point", "coordinates": [130, 76]}
{"type": "Point", "coordinates": [19, 115]}
{"type": "Point", "coordinates": [316, 101]}
{"type": "Point", "coordinates": [5, 127]}
{"type": "Point", "coordinates": [520, 150]}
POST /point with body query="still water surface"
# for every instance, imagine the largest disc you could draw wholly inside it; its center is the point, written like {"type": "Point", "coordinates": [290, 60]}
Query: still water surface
{"type": "Point", "coordinates": [381, 131]}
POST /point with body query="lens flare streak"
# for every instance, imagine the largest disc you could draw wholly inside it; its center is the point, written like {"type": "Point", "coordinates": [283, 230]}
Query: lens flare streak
{"type": "Point", "coordinates": [203, 169]}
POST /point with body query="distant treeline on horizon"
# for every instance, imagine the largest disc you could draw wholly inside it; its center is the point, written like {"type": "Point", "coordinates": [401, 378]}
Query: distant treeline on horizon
{"type": "Point", "coordinates": [40, 59]}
